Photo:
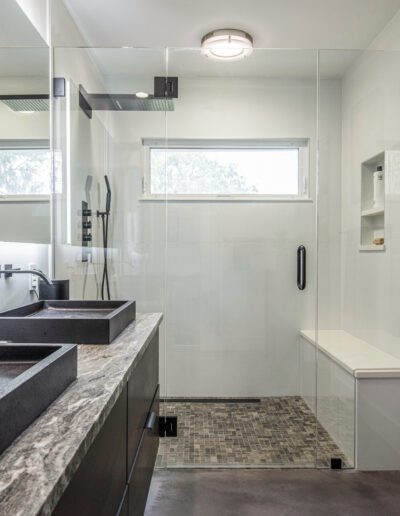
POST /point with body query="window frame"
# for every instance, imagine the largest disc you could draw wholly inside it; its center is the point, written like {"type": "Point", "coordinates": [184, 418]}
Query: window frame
{"type": "Point", "coordinates": [24, 144]}
{"type": "Point", "coordinates": [302, 144]}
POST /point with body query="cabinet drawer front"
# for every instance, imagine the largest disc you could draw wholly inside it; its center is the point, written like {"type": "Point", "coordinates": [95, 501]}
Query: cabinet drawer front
{"type": "Point", "coordinates": [98, 485]}
{"type": "Point", "coordinates": [141, 388]}
{"type": "Point", "coordinates": [142, 470]}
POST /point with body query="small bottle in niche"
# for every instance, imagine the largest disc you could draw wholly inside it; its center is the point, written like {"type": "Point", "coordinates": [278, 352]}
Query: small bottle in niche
{"type": "Point", "coordinates": [379, 187]}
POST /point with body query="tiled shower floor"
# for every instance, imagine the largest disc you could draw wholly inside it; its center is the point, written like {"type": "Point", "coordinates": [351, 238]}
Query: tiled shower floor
{"type": "Point", "coordinates": [277, 431]}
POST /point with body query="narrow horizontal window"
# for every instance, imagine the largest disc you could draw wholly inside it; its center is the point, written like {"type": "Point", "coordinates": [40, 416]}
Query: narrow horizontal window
{"type": "Point", "coordinates": [203, 169]}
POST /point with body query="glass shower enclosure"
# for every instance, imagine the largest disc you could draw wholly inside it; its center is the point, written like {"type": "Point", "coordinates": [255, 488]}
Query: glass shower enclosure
{"type": "Point", "coordinates": [215, 219]}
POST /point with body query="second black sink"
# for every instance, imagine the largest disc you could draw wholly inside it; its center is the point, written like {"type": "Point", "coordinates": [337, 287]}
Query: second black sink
{"type": "Point", "coordinates": [78, 322]}
{"type": "Point", "coordinates": [31, 377]}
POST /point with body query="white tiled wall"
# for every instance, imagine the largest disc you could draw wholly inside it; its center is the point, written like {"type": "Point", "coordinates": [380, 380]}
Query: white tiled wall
{"type": "Point", "coordinates": [370, 281]}
{"type": "Point", "coordinates": [233, 309]}
{"type": "Point", "coordinates": [232, 302]}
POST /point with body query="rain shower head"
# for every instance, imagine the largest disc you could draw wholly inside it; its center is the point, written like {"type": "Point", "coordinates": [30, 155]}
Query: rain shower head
{"type": "Point", "coordinates": [165, 91]}
{"type": "Point", "coordinates": [25, 103]}
{"type": "Point", "coordinates": [129, 102]}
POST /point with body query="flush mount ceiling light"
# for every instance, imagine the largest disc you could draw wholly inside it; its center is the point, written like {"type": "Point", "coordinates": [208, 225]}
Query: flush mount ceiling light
{"type": "Point", "coordinates": [227, 44]}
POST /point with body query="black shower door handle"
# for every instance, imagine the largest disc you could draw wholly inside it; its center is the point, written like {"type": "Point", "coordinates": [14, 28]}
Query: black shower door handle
{"type": "Point", "coordinates": [301, 267]}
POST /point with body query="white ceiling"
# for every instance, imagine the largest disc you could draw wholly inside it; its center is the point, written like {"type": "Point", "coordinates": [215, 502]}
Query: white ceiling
{"type": "Point", "coordinates": [120, 67]}
{"type": "Point", "coordinates": [15, 28]}
{"type": "Point", "coordinates": [274, 24]}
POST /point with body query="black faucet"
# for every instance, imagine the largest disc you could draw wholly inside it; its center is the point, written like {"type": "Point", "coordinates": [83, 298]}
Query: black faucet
{"type": "Point", "coordinates": [28, 271]}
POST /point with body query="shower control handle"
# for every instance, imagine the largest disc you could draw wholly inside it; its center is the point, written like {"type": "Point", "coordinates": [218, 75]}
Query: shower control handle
{"type": "Point", "coordinates": [301, 267]}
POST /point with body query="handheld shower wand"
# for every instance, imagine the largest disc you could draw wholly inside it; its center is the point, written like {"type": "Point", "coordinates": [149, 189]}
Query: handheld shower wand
{"type": "Point", "coordinates": [108, 197]}
{"type": "Point", "coordinates": [104, 220]}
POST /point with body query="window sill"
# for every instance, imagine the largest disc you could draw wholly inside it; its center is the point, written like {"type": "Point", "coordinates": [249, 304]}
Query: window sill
{"type": "Point", "coordinates": [24, 198]}
{"type": "Point", "coordinates": [223, 198]}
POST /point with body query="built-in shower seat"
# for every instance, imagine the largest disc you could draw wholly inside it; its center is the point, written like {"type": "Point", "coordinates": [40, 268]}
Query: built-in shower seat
{"type": "Point", "coordinates": [358, 395]}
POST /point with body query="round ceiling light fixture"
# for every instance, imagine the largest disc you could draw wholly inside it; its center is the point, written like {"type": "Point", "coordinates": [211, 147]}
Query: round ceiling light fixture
{"type": "Point", "coordinates": [227, 44]}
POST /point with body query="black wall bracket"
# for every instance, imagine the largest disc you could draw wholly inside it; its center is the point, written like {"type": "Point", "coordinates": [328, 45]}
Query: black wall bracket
{"type": "Point", "coordinates": [58, 87]}
{"type": "Point", "coordinates": [166, 87]}
{"type": "Point", "coordinates": [8, 266]}
{"type": "Point", "coordinates": [168, 426]}
{"type": "Point", "coordinates": [83, 103]}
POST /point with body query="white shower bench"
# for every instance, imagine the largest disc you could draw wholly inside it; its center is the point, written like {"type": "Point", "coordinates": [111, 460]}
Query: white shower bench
{"type": "Point", "coordinates": [358, 396]}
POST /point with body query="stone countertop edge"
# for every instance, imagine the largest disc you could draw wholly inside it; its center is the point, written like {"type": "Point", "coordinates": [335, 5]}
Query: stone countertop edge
{"type": "Point", "coordinates": [36, 469]}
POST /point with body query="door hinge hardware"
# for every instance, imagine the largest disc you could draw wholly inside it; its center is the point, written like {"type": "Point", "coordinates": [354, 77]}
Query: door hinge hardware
{"type": "Point", "coordinates": [336, 463]}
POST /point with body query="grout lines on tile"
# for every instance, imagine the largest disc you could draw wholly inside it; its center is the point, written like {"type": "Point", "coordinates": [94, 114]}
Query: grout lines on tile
{"type": "Point", "coordinates": [277, 431]}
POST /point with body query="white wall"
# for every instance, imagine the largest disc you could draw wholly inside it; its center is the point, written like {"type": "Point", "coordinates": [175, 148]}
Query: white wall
{"type": "Point", "coordinates": [371, 281]}
{"type": "Point", "coordinates": [233, 307]}
{"type": "Point", "coordinates": [15, 291]}
{"type": "Point", "coordinates": [329, 201]}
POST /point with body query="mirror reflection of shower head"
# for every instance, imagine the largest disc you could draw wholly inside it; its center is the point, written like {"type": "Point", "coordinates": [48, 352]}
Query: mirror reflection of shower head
{"type": "Point", "coordinates": [88, 187]}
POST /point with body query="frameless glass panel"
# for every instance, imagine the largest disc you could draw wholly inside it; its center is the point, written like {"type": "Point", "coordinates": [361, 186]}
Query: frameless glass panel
{"type": "Point", "coordinates": [358, 249]}
{"type": "Point", "coordinates": [96, 136]}
{"type": "Point", "coordinates": [235, 378]}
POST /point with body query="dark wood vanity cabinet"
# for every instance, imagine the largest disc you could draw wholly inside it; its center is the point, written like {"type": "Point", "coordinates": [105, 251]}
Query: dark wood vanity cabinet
{"type": "Point", "coordinates": [142, 387]}
{"type": "Point", "coordinates": [114, 477]}
{"type": "Point", "coordinates": [142, 468]}
{"type": "Point", "coordinates": [124, 507]}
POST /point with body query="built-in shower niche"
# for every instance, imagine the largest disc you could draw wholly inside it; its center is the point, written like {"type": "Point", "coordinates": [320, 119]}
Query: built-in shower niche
{"type": "Point", "coordinates": [373, 207]}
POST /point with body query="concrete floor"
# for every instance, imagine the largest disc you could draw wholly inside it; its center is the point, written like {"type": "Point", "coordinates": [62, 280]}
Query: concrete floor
{"type": "Point", "coordinates": [273, 493]}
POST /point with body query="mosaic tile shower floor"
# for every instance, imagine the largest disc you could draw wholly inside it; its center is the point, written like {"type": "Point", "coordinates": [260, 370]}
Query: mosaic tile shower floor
{"type": "Point", "coordinates": [277, 431]}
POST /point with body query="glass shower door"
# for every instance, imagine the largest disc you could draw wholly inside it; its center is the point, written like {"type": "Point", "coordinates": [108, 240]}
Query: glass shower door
{"type": "Point", "coordinates": [240, 162]}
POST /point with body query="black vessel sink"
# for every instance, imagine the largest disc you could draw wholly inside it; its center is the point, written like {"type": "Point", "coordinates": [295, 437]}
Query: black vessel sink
{"type": "Point", "coordinates": [80, 322]}
{"type": "Point", "coordinates": [31, 377]}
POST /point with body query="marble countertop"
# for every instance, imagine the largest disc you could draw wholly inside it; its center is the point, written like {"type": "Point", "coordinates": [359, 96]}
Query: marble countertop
{"type": "Point", "coordinates": [37, 467]}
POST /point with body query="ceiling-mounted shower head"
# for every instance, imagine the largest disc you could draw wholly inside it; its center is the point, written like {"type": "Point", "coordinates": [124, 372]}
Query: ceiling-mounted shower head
{"type": "Point", "coordinates": [165, 91]}
{"type": "Point", "coordinates": [127, 102]}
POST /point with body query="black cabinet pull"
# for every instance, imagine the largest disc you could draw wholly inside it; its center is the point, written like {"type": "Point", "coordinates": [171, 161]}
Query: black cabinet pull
{"type": "Point", "coordinates": [151, 421]}
{"type": "Point", "coordinates": [301, 267]}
